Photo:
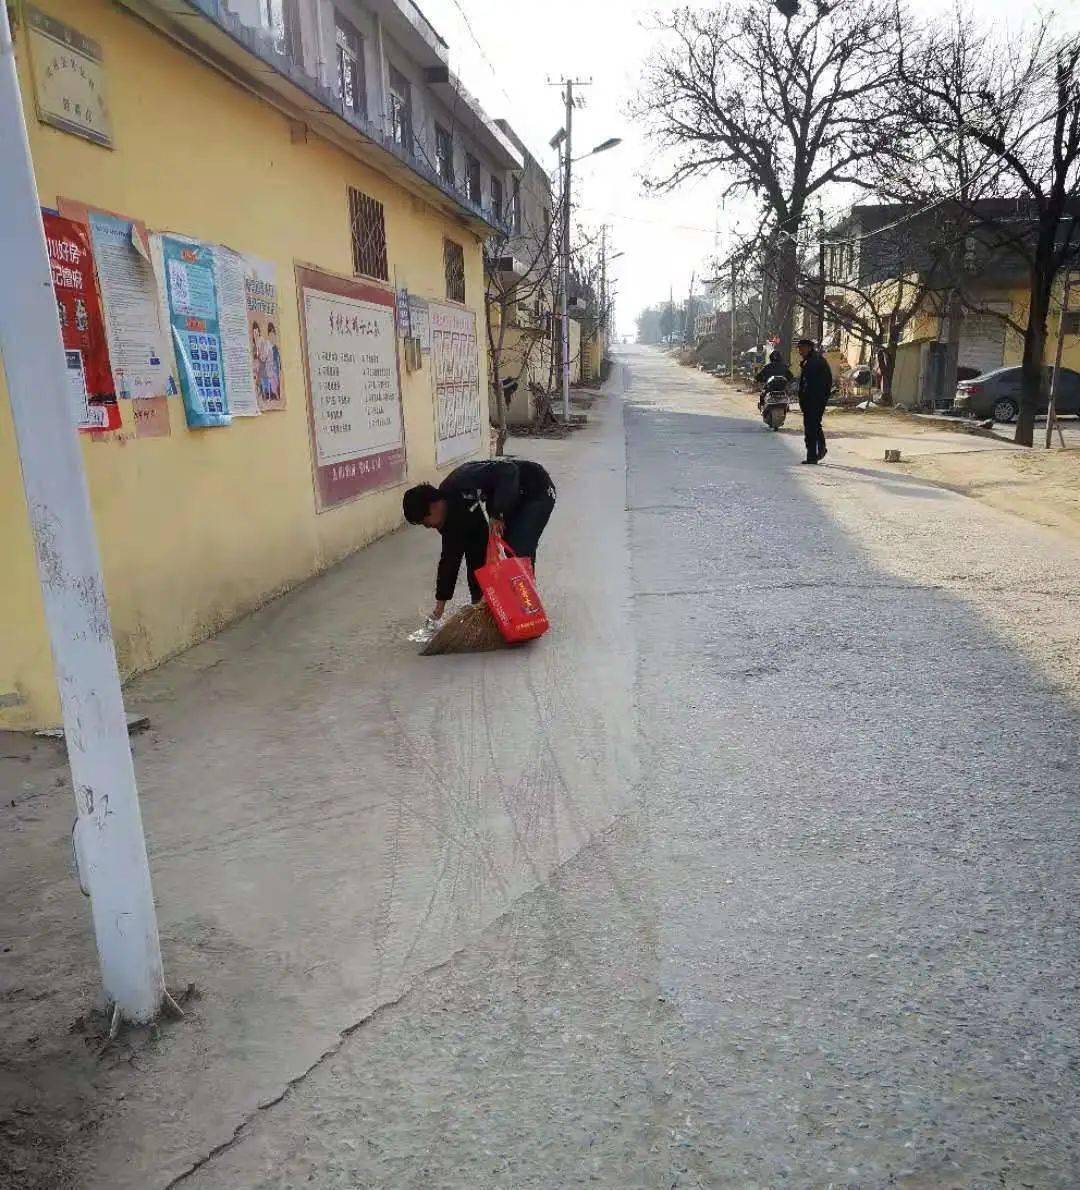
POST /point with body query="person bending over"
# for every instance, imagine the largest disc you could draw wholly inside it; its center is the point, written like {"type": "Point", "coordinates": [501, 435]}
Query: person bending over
{"type": "Point", "coordinates": [517, 494]}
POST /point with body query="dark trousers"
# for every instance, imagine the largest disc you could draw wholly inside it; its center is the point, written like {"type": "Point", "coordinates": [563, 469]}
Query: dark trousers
{"type": "Point", "coordinates": [813, 411]}
{"type": "Point", "coordinates": [527, 522]}
{"type": "Point", "coordinates": [523, 529]}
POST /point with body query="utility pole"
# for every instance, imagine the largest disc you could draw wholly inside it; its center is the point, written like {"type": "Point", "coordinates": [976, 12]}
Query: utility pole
{"type": "Point", "coordinates": [1051, 412]}
{"type": "Point", "coordinates": [603, 279]}
{"type": "Point", "coordinates": [109, 840]}
{"type": "Point", "coordinates": [567, 174]}
{"type": "Point", "coordinates": [821, 275]}
{"type": "Point", "coordinates": [567, 164]}
{"type": "Point", "coordinates": [686, 323]}
{"type": "Point", "coordinates": [734, 303]}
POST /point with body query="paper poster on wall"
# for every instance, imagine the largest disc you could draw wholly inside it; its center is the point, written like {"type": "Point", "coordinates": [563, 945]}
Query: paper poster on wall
{"type": "Point", "coordinates": [230, 283]}
{"type": "Point", "coordinates": [263, 327]}
{"type": "Point", "coordinates": [456, 376]}
{"type": "Point", "coordinates": [193, 315]}
{"type": "Point", "coordinates": [82, 326]}
{"type": "Point", "coordinates": [129, 295]}
{"type": "Point", "coordinates": [420, 322]}
{"type": "Point", "coordinates": [350, 356]}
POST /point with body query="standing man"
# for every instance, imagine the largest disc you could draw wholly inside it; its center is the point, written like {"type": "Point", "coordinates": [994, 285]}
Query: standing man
{"type": "Point", "coordinates": [815, 384]}
{"type": "Point", "coordinates": [519, 497]}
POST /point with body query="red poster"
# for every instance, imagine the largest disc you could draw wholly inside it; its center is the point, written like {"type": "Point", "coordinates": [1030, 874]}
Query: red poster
{"type": "Point", "coordinates": [82, 327]}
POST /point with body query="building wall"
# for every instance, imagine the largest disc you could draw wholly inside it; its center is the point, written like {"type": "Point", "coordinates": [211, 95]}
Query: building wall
{"type": "Point", "coordinates": [200, 527]}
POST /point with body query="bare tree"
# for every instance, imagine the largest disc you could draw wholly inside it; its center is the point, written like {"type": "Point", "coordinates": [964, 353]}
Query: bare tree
{"type": "Point", "coordinates": [776, 103]}
{"type": "Point", "coordinates": [987, 118]}
{"type": "Point", "coordinates": [519, 289]}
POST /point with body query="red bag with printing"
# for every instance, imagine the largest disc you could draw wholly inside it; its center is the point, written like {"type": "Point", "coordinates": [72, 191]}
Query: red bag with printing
{"type": "Point", "coordinates": [509, 590]}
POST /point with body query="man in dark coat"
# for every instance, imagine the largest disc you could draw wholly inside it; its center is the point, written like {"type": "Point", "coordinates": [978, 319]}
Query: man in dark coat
{"type": "Point", "coordinates": [815, 384]}
{"type": "Point", "coordinates": [519, 497]}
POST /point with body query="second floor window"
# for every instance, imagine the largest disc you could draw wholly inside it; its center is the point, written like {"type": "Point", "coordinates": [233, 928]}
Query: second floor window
{"type": "Point", "coordinates": [444, 154]}
{"type": "Point", "coordinates": [350, 66]}
{"type": "Point", "coordinates": [472, 169]}
{"type": "Point", "coordinates": [496, 198]}
{"type": "Point", "coordinates": [517, 206]}
{"type": "Point", "coordinates": [282, 19]}
{"type": "Point", "coordinates": [401, 128]}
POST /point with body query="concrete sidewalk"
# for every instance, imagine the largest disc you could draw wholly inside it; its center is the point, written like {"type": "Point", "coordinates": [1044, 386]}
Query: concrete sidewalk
{"type": "Point", "coordinates": [328, 816]}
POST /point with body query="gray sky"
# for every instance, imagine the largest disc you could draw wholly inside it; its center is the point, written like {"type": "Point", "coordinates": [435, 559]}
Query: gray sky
{"type": "Point", "coordinates": [519, 46]}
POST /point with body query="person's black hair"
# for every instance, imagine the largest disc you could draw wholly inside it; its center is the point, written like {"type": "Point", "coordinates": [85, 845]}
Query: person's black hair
{"type": "Point", "coordinates": [417, 502]}
{"type": "Point", "coordinates": [807, 343]}
{"type": "Point", "coordinates": [271, 329]}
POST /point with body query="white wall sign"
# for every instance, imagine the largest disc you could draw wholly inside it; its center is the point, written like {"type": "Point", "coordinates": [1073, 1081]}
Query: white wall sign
{"type": "Point", "coordinates": [456, 370]}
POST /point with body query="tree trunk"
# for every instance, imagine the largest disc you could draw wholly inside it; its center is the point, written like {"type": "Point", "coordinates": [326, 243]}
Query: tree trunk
{"type": "Point", "coordinates": [1032, 378]}
{"type": "Point", "coordinates": [786, 288]}
{"type": "Point", "coordinates": [887, 364]}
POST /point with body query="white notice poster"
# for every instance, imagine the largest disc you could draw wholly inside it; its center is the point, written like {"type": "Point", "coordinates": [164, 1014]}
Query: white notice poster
{"type": "Point", "coordinates": [352, 360]}
{"type": "Point", "coordinates": [229, 281]}
{"type": "Point", "coordinates": [140, 361]}
{"type": "Point", "coordinates": [455, 364]}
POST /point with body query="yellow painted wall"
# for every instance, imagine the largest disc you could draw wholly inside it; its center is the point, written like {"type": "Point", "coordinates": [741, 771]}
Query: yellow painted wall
{"type": "Point", "coordinates": [197, 528]}
{"type": "Point", "coordinates": [1014, 342]}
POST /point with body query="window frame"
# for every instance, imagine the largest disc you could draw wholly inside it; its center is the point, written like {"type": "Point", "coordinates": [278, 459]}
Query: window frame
{"type": "Point", "coordinates": [343, 27]}
{"type": "Point", "coordinates": [444, 163]}
{"type": "Point", "coordinates": [399, 91]}
{"type": "Point", "coordinates": [454, 253]}
{"type": "Point", "coordinates": [473, 179]}
{"type": "Point", "coordinates": [362, 205]}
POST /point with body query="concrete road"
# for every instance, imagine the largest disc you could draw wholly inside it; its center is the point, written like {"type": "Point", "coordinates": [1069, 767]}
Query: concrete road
{"type": "Point", "coordinates": [831, 940]}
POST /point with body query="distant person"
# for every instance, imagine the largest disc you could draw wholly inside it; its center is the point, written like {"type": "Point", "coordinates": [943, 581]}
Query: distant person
{"type": "Point", "coordinates": [519, 497]}
{"type": "Point", "coordinates": [775, 367]}
{"type": "Point", "coordinates": [815, 384]}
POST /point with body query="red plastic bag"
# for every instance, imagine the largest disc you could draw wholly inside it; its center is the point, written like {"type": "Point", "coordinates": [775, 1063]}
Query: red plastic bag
{"type": "Point", "coordinates": [510, 592]}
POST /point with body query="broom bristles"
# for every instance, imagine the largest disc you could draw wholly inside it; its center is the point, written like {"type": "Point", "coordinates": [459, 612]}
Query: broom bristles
{"type": "Point", "coordinates": [471, 630]}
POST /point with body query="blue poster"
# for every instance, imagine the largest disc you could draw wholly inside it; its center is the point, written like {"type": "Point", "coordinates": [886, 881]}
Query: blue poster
{"type": "Point", "coordinates": [193, 313]}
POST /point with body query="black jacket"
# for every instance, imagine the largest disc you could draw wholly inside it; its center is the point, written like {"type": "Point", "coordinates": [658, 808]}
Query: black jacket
{"type": "Point", "coordinates": [501, 485]}
{"type": "Point", "coordinates": [772, 369]}
{"type": "Point", "coordinates": [815, 379]}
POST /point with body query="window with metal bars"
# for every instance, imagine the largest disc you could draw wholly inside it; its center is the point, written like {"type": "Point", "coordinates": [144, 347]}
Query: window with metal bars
{"type": "Point", "coordinates": [368, 227]}
{"type": "Point", "coordinates": [350, 64]}
{"type": "Point", "coordinates": [1072, 322]}
{"type": "Point", "coordinates": [454, 264]}
{"type": "Point", "coordinates": [496, 198]}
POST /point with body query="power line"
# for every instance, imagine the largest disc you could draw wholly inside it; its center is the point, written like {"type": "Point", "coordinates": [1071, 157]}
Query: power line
{"type": "Point", "coordinates": [483, 52]}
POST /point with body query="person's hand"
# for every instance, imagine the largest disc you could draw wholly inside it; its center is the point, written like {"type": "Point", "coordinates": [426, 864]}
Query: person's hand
{"type": "Point", "coordinates": [438, 609]}
{"type": "Point", "coordinates": [498, 526]}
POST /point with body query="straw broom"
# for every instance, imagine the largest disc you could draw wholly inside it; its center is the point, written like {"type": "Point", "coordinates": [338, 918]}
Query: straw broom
{"type": "Point", "coordinates": [471, 630]}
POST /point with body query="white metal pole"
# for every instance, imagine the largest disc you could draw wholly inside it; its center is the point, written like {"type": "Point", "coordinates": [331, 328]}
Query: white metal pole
{"type": "Point", "coordinates": [110, 843]}
{"type": "Point", "coordinates": [567, 148]}
{"type": "Point", "coordinates": [1051, 412]}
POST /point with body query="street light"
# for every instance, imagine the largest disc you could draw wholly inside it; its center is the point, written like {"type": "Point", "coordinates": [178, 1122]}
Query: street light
{"type": "Point", "coordinates": [611, 143]}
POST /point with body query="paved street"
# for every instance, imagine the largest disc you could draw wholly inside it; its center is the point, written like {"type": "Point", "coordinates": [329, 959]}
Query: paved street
{"type": "Point", "coordinates": [833, 941]}
{"type": "Point", "coordinates": [819, 930]}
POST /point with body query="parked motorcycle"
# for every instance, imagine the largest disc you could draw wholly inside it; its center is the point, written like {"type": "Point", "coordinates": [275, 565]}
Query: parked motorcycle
{"type": "Point", "coordinates": [774, 402]}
